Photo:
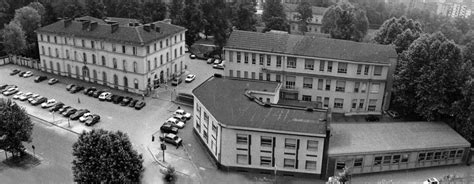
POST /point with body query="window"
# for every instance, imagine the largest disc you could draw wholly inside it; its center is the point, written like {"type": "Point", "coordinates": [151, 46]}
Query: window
{"type": "Point", "coordinates": [387, 159]}
{"type": "Point", "coordinates": [136, 83]}
{"type": "Point", "coordinates": [124, 63]}
{"type": "Point", "coordinates": [342, 67]}
{"type": "Point", "coordinates": [135, 67]}
{"type": "Point", "coordinates": [421, 157]}
{"type": "Point", "coordinates": [48, 38]}
{"type": "Point", "coordinates": [326, 101]}
{"type": "Point", "coordinates": [265, 161]}
{"type": "Point", "coordinates": [328, 84]}
{"type": "Point", "coordinates": [289, 163]}
{"type": "Point", "coordinates": [329, 66]}
{"type": "Point", "coordinates": [65, 39]}
{"type": "Point", "coordinates": [134, 49]}
{"type": "Point", "coordinates": [359, 69]}
{"type": "Point", "coordinates": [291, 62]}
{"type": "Point", "coordinates": [278, 78]}
{"type": "Point", "coordinates": [354, 103]}
{"type": "Point", "coordinates": [320, 84]}
{"type": "Point", "coordinates": [49, 51]}
{"type": "Point", "coordinates": [361, 103]}
{"type": "Point", "coordinates": [41, 37]}
{"type": "Point", "coordinates": [338, 103]}
{"type": "Point", "coordinates": [340, 86]}
{"type": "Point", "coordinates": [452, 154]}
{"type": "Point", "coordinates": [254, 59]}
{"type": "Point", "coordinates": [377, 70]}
{"type": "Point", "coordinates": [319, 101]}
{"type": "Point", "coordinates": [253, 75]}
{"type": "Point", "coordinates": [356, 87]}
{"type": "Point", "coordinates": [445, 155]}
{"type": "Point", "coordinates": [242, 138]}
{"type": "Point", "coordinates": [83, 43]}
{"type": "Point", "coordinates": [404, 158]}
{"type": "Point", "coordinates": [366, 70]}
{"type": "Point", "coordinates": [42, 50]}
{"type": "Point", "coordinates": [92, 44]}
{"type": "Point", "coordinates": [148, 65]}
{"type": "Point", "coordinates": [310, 165]}
{"type": "Point", "coordinates": [269, 60]}
{"type": "Point", "coordinates": [167, 57]}
{"type": "Point", "coordinates": [261, 59]}
{"type": "Point", "coordinates": [321, 66]}
{"type": "Point", "coordinates": [268, 77]}
{"type": "Point", "coordinates": [231, 56]}
{"type": "Point", "coordinates": [377, 160]}
{"type": "Point", "coordinates": [242, 159]}
{"type": "Point", "coordinates": [103, 61]}
{"type": "Point", "coordinates": [312, 145]}
{"type": "Point", "coordinates": [148, 49]}
{"type": "Point", "coordinates": [429, 156]}
{"type": "Point", "coordinates": [154, 46]}
{"type": "Point", "coordinates": [214, 128]}
{"type": "Point", "coordinates": [266, 141]}
{"type": "Point", "coordinates": [161, 60]}
{"type": "Point", "coordinates": [308, 82]}
{"type": "Point", "coordinates": [246, 58]}
{"type": "Point", "coordinates": [260, 76]}
{"type": "Point", "coordinates": [57, 52]}
{"type": "Point", "coordinates": [206, 120]}
{"type": "Point", "coordinates": [437, 156]}
{"type": "Point", "coordinates": [364, 87]}
{"type": "Point", "coordinates": [84, 57]}
{"type": "Point", "coordinates": [67, 54]}
{"type": "Point", "coordinates": [161, 44]}
{"type": "Point", "coordinates": [290, 143]}
{"type": "Point", "coordinates": [231, 73]}
{"type": "Point", "coordinates": [358, 162]}
{"type": "Point", "coordinates": [278, 64]}
{"type": "Point", "coordinates": [155, 63]}
{"type": "Point", "coordinates": [396, 159]}
{"type": "Point", "coordinates": [290, 82]}
{"type": "Point", "coordinates": [375, 88]}
{"type": "Point", "coordinates": [238, 73]}
{"type": "Point", "coordinates": [75, 55]}
{"type": "Point", "coordinates": [340, 165]}
{"type": "Point", "coordinates": [459, 153]}
{"type": "Point", "coordinates": [306, 98]}
{"type": "Point", "coordinates": [372, 104]}
{"type": "Point", "coordinates": [93, 59]}
{"type": "Point", "coordinates": [238, 57]}
{"type": "Point", "coordinates": [309, 64]}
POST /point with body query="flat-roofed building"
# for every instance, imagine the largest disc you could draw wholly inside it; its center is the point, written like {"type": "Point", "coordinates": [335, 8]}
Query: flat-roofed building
{"type": "Point", "coordinates": [391, 146]}
{"type": "Point", "coordinates": [116, 52]}
{"type": "Point", "coordinates": [242, 128]}
{"type": "Point", "coordinates": [348, 77]}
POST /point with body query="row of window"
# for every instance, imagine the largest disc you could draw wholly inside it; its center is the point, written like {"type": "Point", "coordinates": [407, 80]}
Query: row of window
{"type": "Point", "coordinates": [439, 155]}
{"type": "Point", "coordinates": [267, 141]}
{"type": "Point", "coordinates": [309, 64]}
{"type": "Point", "coordinates": [357, 104]}
{"type": "Point", "coordinates": [266, 161]}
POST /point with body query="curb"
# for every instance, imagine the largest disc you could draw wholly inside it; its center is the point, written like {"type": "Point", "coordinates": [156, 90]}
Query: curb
{"type": "Point", "coordinates": [47, 122]}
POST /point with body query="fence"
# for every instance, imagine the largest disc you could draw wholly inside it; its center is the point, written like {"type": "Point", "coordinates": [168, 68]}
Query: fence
{"type": "Point", "coordinates": [20, 60]}
{"type": "Point", "coordinates": [4, 60]}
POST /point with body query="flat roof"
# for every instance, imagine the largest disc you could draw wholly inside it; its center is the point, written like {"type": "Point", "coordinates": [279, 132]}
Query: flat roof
{"type": "Point", "coordinates": [353, 138]}
{"type": "Point", "coordinates": [225, 99]}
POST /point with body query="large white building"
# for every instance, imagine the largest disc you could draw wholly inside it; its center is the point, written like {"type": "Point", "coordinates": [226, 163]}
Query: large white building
{"type": "Point", "coordinates": [119, 53]}
{"type": "Point", "coordinates": [348, 77]}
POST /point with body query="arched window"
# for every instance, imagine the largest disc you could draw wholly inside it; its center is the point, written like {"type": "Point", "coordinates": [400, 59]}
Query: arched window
{"type": "Point", "coordinates": [104, 78]}
{"type": "Point", "coordinates": [94, 75]}
{"type": "Point", "coordinates": [84, 55]}
{"type": "Point", "coordinates": [103, 60]}
{"type": "Point", "coordinates": [135, 66]}
{"type": "Point", "coordinates": [148, 65]}
{"type": "Point", "coordinates": [136, 83]}
{"type": "Point", "coordinates": [156, 64]}
{"type": "Point", "coordinates": [51, 66]}
{"type": "Point", "coordinates": [115, 81]}
{"type": "Point", "coordinates": [57, 52]}
{"type": "Point", "coordinates": [114, 62]}
{"type": "Point", "coordinates": [125, 83]}
{"type": "Point", "coordinates": [45, 66]}
{"type": "Point", "coordinates": [77, 72]}
{"type": "Point", "coordinates": [167, 57]}
{"type": "Point", "coordinates": [161, 60]}
{"type": "Point", "coordinates": [124, 65]}
{"type": "Point", "coordinates": [58, 68]}
{"type": "Point", "coordinates": [93, 59]}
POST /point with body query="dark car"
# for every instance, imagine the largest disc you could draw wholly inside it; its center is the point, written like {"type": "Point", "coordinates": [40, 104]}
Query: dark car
{"type": "Point", "coordinates": [133, 103]}
{"type": "Point", "coordinates": [64, 108]}
{"type": "Point", "coordinates": [117, 99]}
{"type": "Point", "coordinates": [96, 94]}
{"type": "Point", "coordinates": [171, 138]}
{"type": "Point", "coordinates": [69, 112]}
{"type": "Point", "coordinates": [76, 89]}
{"type": "Point", "coordinates": [21, 74]}
{"type": "Point", "coordinates": [169, 128]}
{"type": "Point", "coordinates": [125, 101]}
{"type": "Point", "coordinates": [176, 81]}
{"type": "Point", "coordinates": [91, 92]}
{"type": "Point", "coordinates": [38, 101]}
{"type": "Point", "coordinates": [57, 107]}
{"type": "Point", "coordinates": [92, 120]}
{"type": "Point", "coordinates": [111, 97]}
{"type": "Point", "coordinates": [371, 118]}
{"type": "Point", "coordinates": [14, 72]}
{"type": "Point", "coordinates": [140, 105]}
{"type": "Point", "coordinates": [40, 78]}
{"type": "Point", "coordinates": [78, 114]}
{"type": "Point", "coordinates": [87, 90]}
{"type": "Point", "coordinates": [70, 86]}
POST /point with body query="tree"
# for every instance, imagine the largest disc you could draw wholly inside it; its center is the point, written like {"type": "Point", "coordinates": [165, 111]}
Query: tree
{"type": "Point", "coordinates": [468, 52]}
{"type": "Point", "coordinates": [272, 8]}
{"type": "Point", "coordinates": [72, 10]}
{"type": "Point", "coordinates": [95, 8]}
{"type": "Point", "coordinates": [429, 78]}
{"type": "Point", "coordinates": [346, 22]}
{"type": "Point", "coordinates": [4, 16]}
{"type": "Point", "coordinates": [38, 7]}
{"type": "Point", "coordinates": [15, 126]}
{"type": "Point", "coordinates": [151, 11]}
{"type": "Point", "coordinates": [50, 15]}
{"type": "Point", "coordinates": [191, 20]}
{"type": "Point", "coordinates": [101, 156]}
{"type": "Point", "coordinates": [276, 23]}
{"type": "Point", "coordinates": [176, 11]}
{"type": "Point", "coordinates": [399, 31]}
{"type": "Point", "coordinates": [450, 31]}
{"type": "Point", "coordinates": [462, 24]}
{"type": "Point", "coordinates": [13, 38]}
{"type": "Point", "coordinates": [128, 9]}
{"type": "Point", "coordinates": [245, 18]}
{"type": "Point", "coordinates": [220, 24]}
{"type": "Point", "coordinates": [463, 110]}
{"type": "Point", "coordinates": [207, 17]}
{"type": "Point", "coordinates": [29, 20]}
{"type": "Point", "coordinates": [304, 16]}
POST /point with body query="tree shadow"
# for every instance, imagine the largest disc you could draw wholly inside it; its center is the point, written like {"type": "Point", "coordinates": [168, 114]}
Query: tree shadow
{"type": "Point", "coordinates": [24, 162]}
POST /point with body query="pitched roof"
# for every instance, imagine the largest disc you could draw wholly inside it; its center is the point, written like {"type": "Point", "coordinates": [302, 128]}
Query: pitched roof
{"type": "Point", "coordinates": [226, 101]}
{"type": "Point", "coordinates": [316, 10]}
{"type": "Point", "coordinates": [132, 35]}
{"type": "Point", "coordinates": [311, 46]}
{"type": "Point", "coordinates": [350, 138]}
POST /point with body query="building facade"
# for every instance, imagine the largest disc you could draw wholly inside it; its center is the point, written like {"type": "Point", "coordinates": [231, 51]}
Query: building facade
{"type": "Point", "coordinates": [313, 27]}
{"type": "Point", "coordinates": [241, 133]}
{"type": "Point", "coordinates": [130, 57]}
{"type": "Point", "coordinates": [347, 77]}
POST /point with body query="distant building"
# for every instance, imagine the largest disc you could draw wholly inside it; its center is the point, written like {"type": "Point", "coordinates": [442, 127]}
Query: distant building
{"type": "Point", "coordinates": [314, 27]}
{"type": "Point", "coordinates": [115, 52]}
{"type": "Point", "coordinates": [345, 76]}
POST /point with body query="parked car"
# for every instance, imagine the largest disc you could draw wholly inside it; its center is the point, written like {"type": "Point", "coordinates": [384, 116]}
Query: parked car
{"type": "Point", "coordinates": [76, 89]}
{"type": "Point", "coordinates": [40, 78]}
{"type": "Point", "coordinates": [49, 103]}
{"type": "Point", "coordinates": [17, 95]}
{"type": "Point", "coordinates": [32, 97]}
{"type": "Point", "coordinates": [219, 66]}
{"type": "Point", "coordinates": [125, 101]}
{"type": "Point", "coordinates": [69, 112]}
{"type": "Point", "coordinates": [85, 116]}
{"type": "Point", "coordinates": [69, 87]}
{"type": "Point", "coordinates": [56, 107]}
{"type": "Point", "coordinates": [371, 118]}
{"type": "Point", "coordinates": [111, 97]}
{"type": "Point", "coordinates": [87, 90]}
{"type": "Point", "coordinates": [180, 118]}
{"type": "Point", "coordinates": [190, 78]}
{"type": "Point", "coordinates": [431, 181]}
{"type": "Point", "coordinates": [11, 91]}
{"type": "Point", "coordinates": [25, 96]}
{"type": "Point", "coordinates": [176, 81]}
{"type": "Point", "coordinates": [133, 103]}
{"type": "Point", "coordinates": [91, 92]}
{"type": "Point", "coordinates": [21, 73]}
{"type": "Point", "coordinates": [78, 114]}
{"type": "Point", "coordinates": [15, 71]}
{"type": "Point", "coordinates": [64, 109]}
{"type": "Point", "coordinates": [169, 128]}
{"type": "Point", "coordinates": [97, 93]}
{"type": "Point", "coordinates": [210, 60]}
{"type": "Point", "coordinates": [92, 120]}
{"type": "Point", "coordinates": [3, 86]}
{"type": "Point", "coordinates": [117, 99]}
{"type": "Point", "coordinates": [183, 113]}
{"type": "Point", "coordinates": [217, 61]}
{"type": "Point", "coordinates": [39, 100]}
{"type": "Point", "coordinates": [176, 122]}
{"type": "Point", "coordinates": [393, 114]}
{"type": "Point", "coordinates": [139, 105]}
{"type": "Point", "coordinates": [28, 74]}
{"type": "Point", "coordinates": [171, 138]}
{"type": "Point", "coordinates": [53, 81]}
{"type": "Point", "coordinates": [192, 56]}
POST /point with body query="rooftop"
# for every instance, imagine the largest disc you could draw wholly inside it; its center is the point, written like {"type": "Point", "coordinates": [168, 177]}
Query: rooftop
{"type": "Point", "coordinates": [226, 101]}
{"type": "Point", "coordinates": [351, 138]}
{"type": "Point", "coordinates": [311, 46]}
{"type": "Point", "coordinates": [137, 35]}
{"type": "Point", "coordinates": [120, 21]}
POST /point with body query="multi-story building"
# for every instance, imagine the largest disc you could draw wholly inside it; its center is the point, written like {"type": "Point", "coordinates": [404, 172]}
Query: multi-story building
{"type": "Point", "coordinates": [314, 26]}
{"type": "Point", "coordinates": [126, 56]}
{"type": "Point", "coordinates": [243, 128]}
{"type": "Point", "coordinates": [348, 77]}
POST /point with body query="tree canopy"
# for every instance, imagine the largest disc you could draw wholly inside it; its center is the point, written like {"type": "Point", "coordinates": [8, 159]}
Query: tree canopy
{"type": "Point", "coordinates": [102, 156]}
{"type": "Point", "coordinates": [95, 8]}
{"type": "Point", "coordinates": [15, 126]}
{"type": "Point", "coordinates": [346, 22]}
{"type": "Point", "coordinates": [152, 12]}
{"type": "Point", "coordinates": [29, 20]}
{"type": "Point", "coordinates": [274, 16]}
{"type": "Point", "coordinates": [304, 16]}
{"type": "Point", "coordinates": [245, 17]}
{"type": "Point", "coordinates": [176, 10]}
{"type": "Point", "coordinates": [399, 31]}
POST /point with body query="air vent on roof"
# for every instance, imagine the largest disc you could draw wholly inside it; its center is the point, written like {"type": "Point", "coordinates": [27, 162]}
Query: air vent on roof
{"type": "Point", "coordinates": [67, 22]}
{"type": "Point", "coordinates": [93, 26]}
{"type": "Point", "coordinates": [146, 27]}
{"type": "Point", "coordinates": [152, 26]}
{"type": "Point", "coordinates": [85, 24]}
{"type": "Point", "coordinates": [114, 27]}
{"type": "Point", "coordinates": [157, 29]}
{"type": "Point", "coordinates": [217, 75]}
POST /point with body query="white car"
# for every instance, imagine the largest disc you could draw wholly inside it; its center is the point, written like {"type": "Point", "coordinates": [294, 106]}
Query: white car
{"type": "Point", "coordinates": [17, 95]}
{"type": "Point", "coordinates": [190, 78]}
{"type": "Point", "coordinates": [104, 95]}
{"type": "Point", "coordinates": [32, 97]}
{"type": "Point", "coordinates": [220, 65]}
{"type": "Point", "coordinates": [431, 181]}
{"type": "Point", "coordinates": [175, 121]}
{"type": "Point", "coordinates": [25, 96]}
{"type": "Point", "coordinates": [49, 103]}
{"type": "Point", "coordinates": [28, 74]}
{"type": "Point", "coordinates": [183, 113]}
{"type": "Point", "coordinates": [10, 91]}
{"type": "Point", "coordinates": [85, 117]}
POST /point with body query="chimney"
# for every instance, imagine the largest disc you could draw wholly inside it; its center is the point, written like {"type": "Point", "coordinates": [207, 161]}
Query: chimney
{"type": "Point", "coordinates": [93, 25]}
{"type": "Point", "coordinates": [67, 22]}
{"type": "Point", "coordinates": [152, 26]}
{"type": "Point", "coordinates": [131, 24]}
{"type": "Point", "coordinates": [146, 27]}
{"type": "Point", "coordinates": [85, 24]}
{"type": "Point", "coordinates": [157, 29]}
{"type": "Point", "coordinates": [114, 27]}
